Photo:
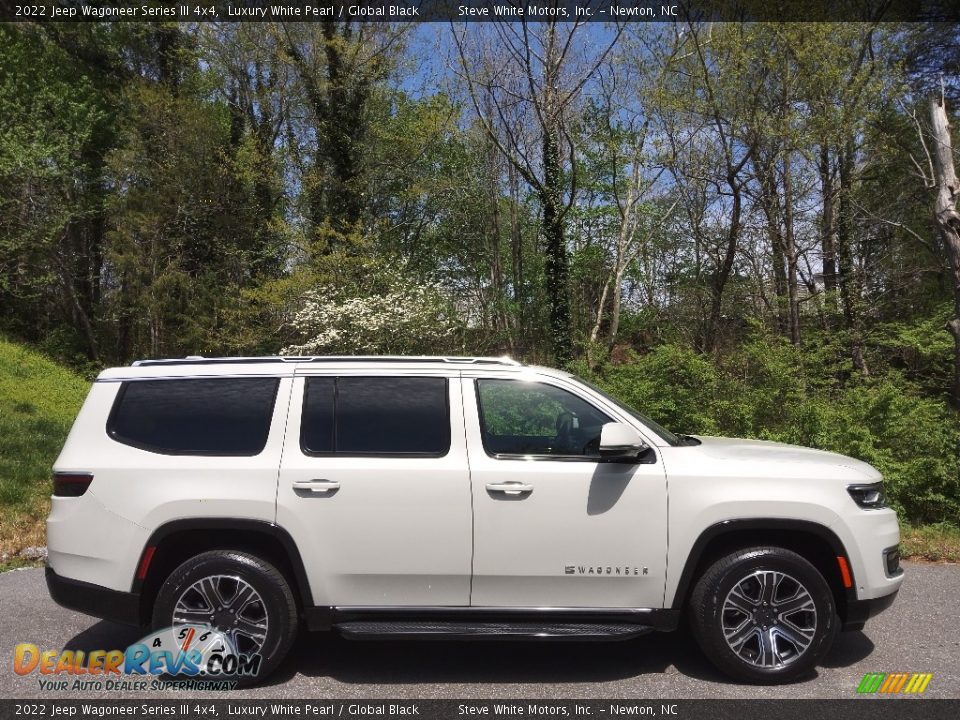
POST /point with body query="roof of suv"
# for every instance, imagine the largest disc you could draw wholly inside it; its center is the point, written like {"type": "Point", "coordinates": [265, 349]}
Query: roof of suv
{"type": "Point", "coordinates": [286, 365]}
{"type": "Point", "coordinates": [420, 359]}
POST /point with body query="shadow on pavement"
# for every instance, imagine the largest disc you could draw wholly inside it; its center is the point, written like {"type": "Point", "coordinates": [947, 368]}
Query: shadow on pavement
{"type": "Point", "coordinates": [503, 663]}
{"type": "Point", "coordinates": [848, 649]}
{"type": "Point", "coordinates": [105, 635]}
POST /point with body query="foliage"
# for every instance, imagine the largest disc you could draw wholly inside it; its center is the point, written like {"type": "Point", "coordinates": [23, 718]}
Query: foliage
{"type": "Point", "coordinates": [39, 400]}
{"type": "Point", "coordinates": [770, 390]}
{"type": "Point", "coordinates": [737, 215]}
{"type": "Point", "coordinates": [56, 122]}
{"type": "Point", "coordinates": [388, 315]}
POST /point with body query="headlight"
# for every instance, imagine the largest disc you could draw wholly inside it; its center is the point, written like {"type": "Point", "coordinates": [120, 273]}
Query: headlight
{"type": "Point", "coordinates": [869, 497]}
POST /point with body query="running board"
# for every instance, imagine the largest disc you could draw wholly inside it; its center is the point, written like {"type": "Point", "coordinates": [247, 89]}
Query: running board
{"type": "Point", "coordinates": [404, 630]}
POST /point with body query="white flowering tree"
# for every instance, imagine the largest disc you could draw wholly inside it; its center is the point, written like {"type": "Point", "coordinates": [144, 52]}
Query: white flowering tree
{"type": "Point", "coordinates": [396, 316]}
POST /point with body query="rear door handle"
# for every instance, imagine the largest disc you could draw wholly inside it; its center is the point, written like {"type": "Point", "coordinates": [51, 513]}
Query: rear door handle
{"type": "Point", "coordinates": [510, 488]}
{"type": "Point", "coordinates": [316, 486]}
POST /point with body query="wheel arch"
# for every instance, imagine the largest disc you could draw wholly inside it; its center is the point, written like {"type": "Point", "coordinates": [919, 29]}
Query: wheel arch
{"type": "Point", "coordinates": [174, 542]}
{"type": "Point", "coordinates": [813, 541]}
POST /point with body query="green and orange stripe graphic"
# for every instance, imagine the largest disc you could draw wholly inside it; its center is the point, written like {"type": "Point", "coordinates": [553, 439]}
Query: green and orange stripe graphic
{"type": "Point", "coordinates": [894, 683]}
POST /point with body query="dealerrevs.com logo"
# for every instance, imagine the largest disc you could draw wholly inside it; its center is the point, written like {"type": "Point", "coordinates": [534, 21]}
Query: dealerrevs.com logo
{"type": "Point", "coordinates": [894, 683]}
{"type": "Point", "coordinates": [185, 656]}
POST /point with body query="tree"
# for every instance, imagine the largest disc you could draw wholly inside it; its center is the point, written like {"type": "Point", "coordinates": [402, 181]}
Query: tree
{"type": "Point", "coordinates": [524, 83]}
{"type": "Point", "coordinates": [843, 89]}
{"type": "Point", "coordinates": [626, 165]}
{"type": "Point", "coordinates": [257, 87]}
{"type": "Point", "coordinates": [384, 313]}
{"type": "Point", "coordinates": [947, 217]}
{"type": "Point", "coordinates": [59, 124]}
{"type": "Point", "coordinates": [338, 65]}
{"type": "Point", "coordinates": [707, 109]}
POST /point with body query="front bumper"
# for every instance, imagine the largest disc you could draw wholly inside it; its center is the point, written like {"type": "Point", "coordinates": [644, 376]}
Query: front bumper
{"type": "Point", "coordinates": [95, 600]}
{"type": "Point", "coordinates": [859, 611]}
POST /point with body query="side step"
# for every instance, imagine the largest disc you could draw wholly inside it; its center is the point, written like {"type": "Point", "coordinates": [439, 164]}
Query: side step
{"type": "Point", "coordinates": [409, 630]}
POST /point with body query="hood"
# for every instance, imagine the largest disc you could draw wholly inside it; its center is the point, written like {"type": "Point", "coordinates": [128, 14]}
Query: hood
{"type": "Point", "coordinates": [765, 452]}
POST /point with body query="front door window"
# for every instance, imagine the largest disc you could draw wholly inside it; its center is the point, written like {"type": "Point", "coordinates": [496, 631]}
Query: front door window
{"type": "Point", "coordinates": [519, 418]}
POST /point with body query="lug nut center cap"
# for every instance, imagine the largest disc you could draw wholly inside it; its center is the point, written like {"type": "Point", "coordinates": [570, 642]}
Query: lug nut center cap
{"type": "Point", "coordinates": [765, 616]}
{"type": "Point", "coordinates": [223, 620]}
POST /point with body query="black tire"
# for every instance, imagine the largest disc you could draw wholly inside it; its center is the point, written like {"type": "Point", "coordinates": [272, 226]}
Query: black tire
{"type": "Point", "coordinates": [768, 644]}
{"type": "Point", "coordinates": [276, 603]}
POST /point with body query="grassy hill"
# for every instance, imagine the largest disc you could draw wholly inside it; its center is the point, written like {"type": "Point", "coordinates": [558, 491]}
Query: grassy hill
{"type": "Point", "coordinates": [38, 402]}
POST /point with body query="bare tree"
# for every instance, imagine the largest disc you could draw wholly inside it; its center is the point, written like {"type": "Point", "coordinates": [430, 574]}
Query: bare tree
{"type": "Point", "coordinates": [712, 147]}
{"type": "Point", "coordinates": [948, 219]}
{"type": "Point", "coordinates": [632, 165]}
{"type": "Point", "coordinates": [524, 82]}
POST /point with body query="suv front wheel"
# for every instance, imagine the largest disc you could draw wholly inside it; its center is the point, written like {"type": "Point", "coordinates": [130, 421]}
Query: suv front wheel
{"type": "Point", "coordinates": [763, 615]}
{"type": "Point", "coordinates": [240, 595]}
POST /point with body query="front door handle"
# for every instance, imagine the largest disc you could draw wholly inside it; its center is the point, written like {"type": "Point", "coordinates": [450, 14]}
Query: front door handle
{"type": "Point", "coordinates": [316, 486]}
{"type": "Point", "coordinates": [510, 488]}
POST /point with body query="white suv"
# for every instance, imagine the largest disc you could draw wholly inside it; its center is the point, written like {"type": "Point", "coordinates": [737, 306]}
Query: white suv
{"type": "Point", "coordinates": [465, 497]}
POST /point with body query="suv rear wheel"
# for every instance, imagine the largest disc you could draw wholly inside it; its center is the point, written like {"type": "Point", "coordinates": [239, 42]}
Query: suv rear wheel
{"type": "Point", "coordinates": [763, 615]}
{"type": "Point", "coordinates": [242, 596]}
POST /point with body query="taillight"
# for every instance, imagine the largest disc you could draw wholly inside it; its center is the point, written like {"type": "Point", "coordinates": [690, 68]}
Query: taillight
{"type": "Point", "coordinates": [71, 484]}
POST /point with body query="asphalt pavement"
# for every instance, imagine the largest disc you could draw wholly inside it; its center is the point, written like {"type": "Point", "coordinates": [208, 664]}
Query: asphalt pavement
{"type": "Point", "coordinates": [920, 633]}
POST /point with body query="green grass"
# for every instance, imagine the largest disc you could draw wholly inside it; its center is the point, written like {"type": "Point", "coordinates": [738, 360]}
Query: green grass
{"type": "Point", "coordinates": [937, 543]}
{"type": "Point", "coordinates": [38, 401]}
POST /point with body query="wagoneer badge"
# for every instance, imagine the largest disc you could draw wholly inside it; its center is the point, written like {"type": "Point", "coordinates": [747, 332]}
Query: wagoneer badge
{"type": "Point", "coordinates": [625, 570]}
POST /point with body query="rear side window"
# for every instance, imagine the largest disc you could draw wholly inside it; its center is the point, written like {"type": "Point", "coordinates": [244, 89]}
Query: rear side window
{"type": "Point", "coordinates": [215, 416]}
{"type": "Point", "coordinates": [406, 416]}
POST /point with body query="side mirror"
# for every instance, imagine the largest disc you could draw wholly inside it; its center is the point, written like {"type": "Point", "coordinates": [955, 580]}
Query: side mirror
{"type": "Point", "coordinates": [620, 442]}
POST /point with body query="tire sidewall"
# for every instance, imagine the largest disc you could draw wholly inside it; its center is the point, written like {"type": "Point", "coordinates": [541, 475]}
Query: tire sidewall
{"type": "Point", "coordinates": [276, 598]}
{"type": "Point", "coordinates": [709, 629]}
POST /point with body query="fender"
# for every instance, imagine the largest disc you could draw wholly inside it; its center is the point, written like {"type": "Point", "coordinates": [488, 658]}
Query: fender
{"type": "Point", "coordinates": [726, 527]}
{"type": "Point", "coordinates": [226, 524]}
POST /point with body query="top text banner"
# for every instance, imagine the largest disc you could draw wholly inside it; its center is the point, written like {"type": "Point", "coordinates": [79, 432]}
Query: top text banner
{"type": "Point", "coordinates": [619, 11]}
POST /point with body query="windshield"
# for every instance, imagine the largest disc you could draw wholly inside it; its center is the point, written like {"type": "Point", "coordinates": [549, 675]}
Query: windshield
{"type": "Point", "coordinates": [661, 431]}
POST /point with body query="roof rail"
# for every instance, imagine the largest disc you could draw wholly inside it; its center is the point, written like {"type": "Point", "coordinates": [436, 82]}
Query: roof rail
{"type": "Point", "coordinates": [199, 360]}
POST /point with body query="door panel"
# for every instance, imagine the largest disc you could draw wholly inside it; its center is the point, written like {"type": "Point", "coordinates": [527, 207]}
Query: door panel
{"type": "Point", "coordinates": [388, 529]}
{"type": "Point", "coordinates": [554, 528]}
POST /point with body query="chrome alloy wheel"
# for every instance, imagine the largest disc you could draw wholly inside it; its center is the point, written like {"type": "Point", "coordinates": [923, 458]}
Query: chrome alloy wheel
{"type": "Point", "coordinates": [769, 619]}
{"type": "Point", "coordinates": [229, 604]}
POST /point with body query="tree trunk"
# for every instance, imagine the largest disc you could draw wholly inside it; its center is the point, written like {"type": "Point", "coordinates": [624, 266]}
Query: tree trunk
{"type": "Point", "coordinates": [80, 315]}
{"type": "Point", "coordinates": [601, 306]}
{"type": "Point", "coordinates": [770, 202]}
{"type": "Point", "coordinates": [338, 100]}
{"type": "Point", "coordinates": [551, 200]}
{"type": "Point", "coordinates": [849, 287]}
{"type": "Point", "coordinates": [343, 129]}
{"type": "Point", "coordinates": [790, 248]}
{"type": "Point", "coordinates": [722, 272]}
{"type": "Point", "coordinates": [516, 250]}
{"type": "Point", "coordinates": [616, 307]}
{"type": "Point", "coordinates": [827, 225]}
{"type": "Point", "coordinates": [598, 322]}
{"type": "Point", "coordinates": [556, 261]}
{"type": "Point", "coordinates": [497, 311]}
{"type": "Point", "coordinates": [948, 221]}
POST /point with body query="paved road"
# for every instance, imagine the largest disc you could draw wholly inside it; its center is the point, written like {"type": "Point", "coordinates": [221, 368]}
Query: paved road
{"type": "Point", "coordinates": [921, 633]}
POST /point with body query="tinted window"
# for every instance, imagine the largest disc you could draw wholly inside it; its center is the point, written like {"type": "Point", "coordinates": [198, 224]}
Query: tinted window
{"type": "Point", "coordinates": [316, 427]}
{"type": "Point", "coordinates": [376, 416]}
{"type": "Point", "coordinates": [222, 416]}
{"type": "Point", "coordinates": [529, 418]}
